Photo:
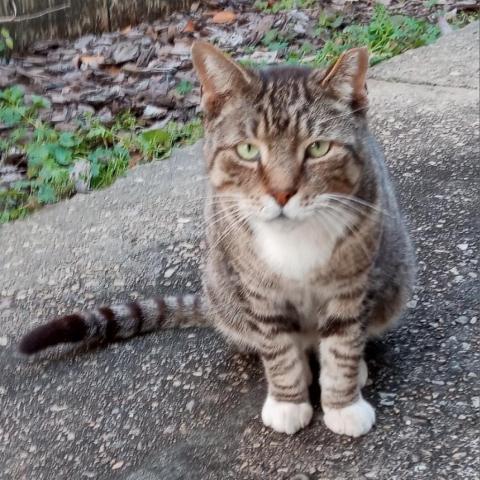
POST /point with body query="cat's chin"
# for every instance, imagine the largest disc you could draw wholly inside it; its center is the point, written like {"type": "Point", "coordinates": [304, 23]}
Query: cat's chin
{"type": "Point", "coordinates": [284, 221]}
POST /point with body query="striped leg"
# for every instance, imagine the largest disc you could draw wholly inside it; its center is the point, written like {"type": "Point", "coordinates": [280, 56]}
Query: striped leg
{"type": "Point", "coordinates": [287, 408]}
{"type": "Point", "coordinates": [342, 375]}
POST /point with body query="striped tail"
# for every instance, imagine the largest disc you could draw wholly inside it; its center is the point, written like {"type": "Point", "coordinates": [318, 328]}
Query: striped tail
{"type": "Point", "coordinates": [117, 321]}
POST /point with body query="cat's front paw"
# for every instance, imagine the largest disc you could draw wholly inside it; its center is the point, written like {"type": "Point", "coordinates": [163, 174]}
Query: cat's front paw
{"type": "Point", "coordinates": [286, 417]}
{"type": "Point", "coordinates": [355, 420]}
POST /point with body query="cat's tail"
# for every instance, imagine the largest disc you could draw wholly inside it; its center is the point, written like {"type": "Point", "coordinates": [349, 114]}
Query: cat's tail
{"type": "Point", "coordinates": [109, 323]}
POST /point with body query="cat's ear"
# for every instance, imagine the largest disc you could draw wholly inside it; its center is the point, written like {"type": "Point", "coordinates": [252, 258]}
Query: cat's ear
{"type": "Point", "coordinates": [346, 78]}
{"type": "Point", "coordinates": [220, 76]}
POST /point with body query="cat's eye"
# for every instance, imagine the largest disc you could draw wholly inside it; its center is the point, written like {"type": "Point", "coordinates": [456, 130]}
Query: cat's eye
{"type": "Point", "coordinates": [248, 151]}
{"type": "Point", "coordinates": [318, 149]}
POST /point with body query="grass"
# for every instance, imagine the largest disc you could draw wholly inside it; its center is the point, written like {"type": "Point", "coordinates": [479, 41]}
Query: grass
{"type": "Point", "coordinates": [385, 36]}
{"type": "Point", "coordinates": [283, 5]}
{"type": "Point", "coordinates": [105, 152]}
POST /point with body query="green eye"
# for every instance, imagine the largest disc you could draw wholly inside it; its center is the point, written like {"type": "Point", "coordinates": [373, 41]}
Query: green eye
{"type": "Point", "coordinates": [318, 149]}
{"type": "Point", "coordinates": [247, 151]}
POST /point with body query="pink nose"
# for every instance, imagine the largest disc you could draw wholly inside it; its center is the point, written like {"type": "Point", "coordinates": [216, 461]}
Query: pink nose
{"type": "Point", "coordinates": [283, 197]}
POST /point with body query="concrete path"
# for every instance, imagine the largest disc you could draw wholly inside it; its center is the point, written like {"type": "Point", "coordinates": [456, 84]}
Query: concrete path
{"type": "Point", "coordinates": [182, 405]}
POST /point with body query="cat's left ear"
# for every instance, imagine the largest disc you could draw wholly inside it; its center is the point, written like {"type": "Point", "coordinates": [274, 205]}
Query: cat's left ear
{"type": "Point", "coordinates": [346, 78]}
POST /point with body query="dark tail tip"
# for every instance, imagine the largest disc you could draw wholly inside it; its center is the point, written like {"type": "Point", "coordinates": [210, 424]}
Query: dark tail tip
{"type": "Point", "coordinates": [71, 328]}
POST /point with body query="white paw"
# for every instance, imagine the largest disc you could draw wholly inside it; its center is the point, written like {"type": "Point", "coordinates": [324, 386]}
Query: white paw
{"type": "Point", "coordinates": [355, 420]}
{"type": "Point", "coordinates": [286, 417]}
{"type": "Point", "coordinates": [363, 373]}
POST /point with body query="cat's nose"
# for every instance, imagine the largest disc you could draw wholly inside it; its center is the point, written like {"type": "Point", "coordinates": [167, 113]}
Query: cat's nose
{"type": "Point", "coordinates": [282, 197]}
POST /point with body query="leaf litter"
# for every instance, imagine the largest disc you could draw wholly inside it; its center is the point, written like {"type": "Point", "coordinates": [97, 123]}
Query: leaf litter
{"type": "Point", "coordinates": [147, 70]}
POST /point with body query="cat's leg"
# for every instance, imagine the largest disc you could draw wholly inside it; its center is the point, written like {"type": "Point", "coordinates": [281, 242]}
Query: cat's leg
{"type": "Point", "coordinates": [287, 408]}
{"type": "Point", "coordinates": [343, 373]}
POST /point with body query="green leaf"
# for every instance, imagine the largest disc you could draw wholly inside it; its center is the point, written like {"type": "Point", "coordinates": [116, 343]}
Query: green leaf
{"type": "Point", "coordinates": [37, 154]}
{"type": "Point", "coordinates": [156, 136]}
{"type": "Point", "coordinates": [22, 184]}
{"type": "Point", "coordinates": [184, 87]}
{"type": "Point", "coordinates": [46, 194]}
{"type": "Point", "coordinates": [68, 139]}
{"type": "Point", "coordinates": [10, 116]}
{"type": "Point", "coordinates": [12, 95]}
{"type": "Point", "coordinates": [62, 155]}
{"type": "Point", "coordinates": [40, 102]}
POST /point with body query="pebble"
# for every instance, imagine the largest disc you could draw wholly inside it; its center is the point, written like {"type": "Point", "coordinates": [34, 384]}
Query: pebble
{"type": "Point", "coordinates": [169, 429]}
{"type": "Point", "coordinates": [169, 272]}
{"type": "Point", "coordinates": [3, 341]}
{"type": "Point", "coordinates": [300, 476]}
{"type": "Point", "coordinates": [462, 246]}
{"type": "Point", "coordinates": [118, 465]}
{"type": "Point", "coordinates": [463, 320]}
{"type": "Point", "coordinates": [58, 408]}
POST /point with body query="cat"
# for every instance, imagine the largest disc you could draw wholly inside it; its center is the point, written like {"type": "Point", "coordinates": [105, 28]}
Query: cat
{"type": "Point", "coordinates": [307, 248]}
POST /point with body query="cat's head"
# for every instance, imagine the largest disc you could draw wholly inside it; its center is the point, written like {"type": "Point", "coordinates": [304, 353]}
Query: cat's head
{"type": "Point", "coordinates": [278, 141]}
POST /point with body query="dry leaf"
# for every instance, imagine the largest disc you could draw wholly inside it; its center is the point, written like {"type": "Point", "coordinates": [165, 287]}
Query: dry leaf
{"type": "Point", "coordinates": [190, 26]}
{"type": "Point", "coordinates": [89, 60]}
{"type": "Point", "coordinates": [126, 30]}
{"type": "Point", "coordinates": [112, 70]}
{"type": "Point", "coordinates": [224, 17]}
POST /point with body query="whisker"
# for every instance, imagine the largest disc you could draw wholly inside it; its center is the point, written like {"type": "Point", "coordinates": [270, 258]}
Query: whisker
{"type": "Point", "coordinates": [336, 196]}
{"type": "Point", "coordinates": [354, 233]}
{"type": "Point", "coordinates": [238, 221]}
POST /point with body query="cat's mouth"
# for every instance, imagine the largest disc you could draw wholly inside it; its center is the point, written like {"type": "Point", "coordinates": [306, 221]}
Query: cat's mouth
{"type": "Point", "coordinates": [283, 220]}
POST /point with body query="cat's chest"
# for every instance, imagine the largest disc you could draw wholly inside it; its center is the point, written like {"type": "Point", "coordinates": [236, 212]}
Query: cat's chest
{"type": "Point", "coordinates": [294, 253]}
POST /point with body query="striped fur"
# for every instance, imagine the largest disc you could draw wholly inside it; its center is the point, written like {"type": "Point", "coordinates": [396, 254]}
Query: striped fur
{"type": "Point", "coordinates": [115, 322]}
{"type": "Point", "coordinates": [303, 253]}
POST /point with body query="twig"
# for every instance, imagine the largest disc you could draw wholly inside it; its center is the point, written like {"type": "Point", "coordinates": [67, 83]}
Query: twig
{"type": "Point", "coordinates": [22, 18]}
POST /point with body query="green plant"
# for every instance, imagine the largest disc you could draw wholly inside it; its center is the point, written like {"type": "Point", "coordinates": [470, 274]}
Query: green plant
{"type": "Point", "coordinates": [275, 40]}
{"type": "Point", "coordinates": [464, 18]}
{"type": "Point", "coordinates": [6, 42]}
{"type": "Point", "coordinates": [52, 154]}
{"type": "Point", "coordinates": [184, 87]}
{"type": "Point", "coordinates": [385, 36]}
{"type": "Point", "coordinates": [282, 5]}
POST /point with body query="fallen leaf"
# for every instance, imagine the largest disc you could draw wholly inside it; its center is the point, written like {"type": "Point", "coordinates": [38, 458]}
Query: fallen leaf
{"type": "Point", "coordinates": [261, 28]}
{"type": "Point", "coordinates": [190, 26]}
{"type": "Point", "coordinates": [92, 60]}
{"type": "Point", "coordinates": [224, 17]}
{"type": "Point", "coordinates": [112, 70]}
{"type": "Point", "coordinates": [135, 159]}
{"type": "Point", "coordinates": [126, 30]}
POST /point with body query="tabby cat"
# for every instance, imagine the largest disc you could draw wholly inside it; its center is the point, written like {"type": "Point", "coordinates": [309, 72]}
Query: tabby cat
{"type": "Point", "coordinates": [307, 248]}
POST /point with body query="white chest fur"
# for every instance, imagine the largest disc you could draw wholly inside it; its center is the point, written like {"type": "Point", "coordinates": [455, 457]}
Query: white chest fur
{"type": "Point", "coordinates": [294, 249]}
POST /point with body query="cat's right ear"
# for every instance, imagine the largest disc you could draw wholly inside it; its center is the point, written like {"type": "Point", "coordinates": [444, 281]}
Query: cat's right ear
{"type": "Point", "coordinates": [220, 77]}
